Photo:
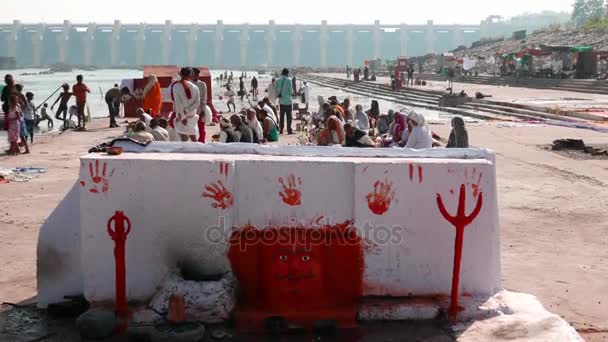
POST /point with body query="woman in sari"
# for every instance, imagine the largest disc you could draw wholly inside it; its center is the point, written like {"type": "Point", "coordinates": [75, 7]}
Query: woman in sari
{"type": "Point", "coordinates": [152, 96]}
{"type": "Point", "coordinates": [333, 133]}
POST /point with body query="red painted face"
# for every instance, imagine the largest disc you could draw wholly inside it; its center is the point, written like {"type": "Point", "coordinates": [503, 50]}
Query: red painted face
{"type": "Point", "coordinates": [293, 271]}
{"type": "Point", "coordinates": [286, 269]}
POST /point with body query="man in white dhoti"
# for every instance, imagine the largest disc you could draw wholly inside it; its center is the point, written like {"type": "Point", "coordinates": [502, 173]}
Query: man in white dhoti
{"type": "Point", "coordinates": [186, 101]}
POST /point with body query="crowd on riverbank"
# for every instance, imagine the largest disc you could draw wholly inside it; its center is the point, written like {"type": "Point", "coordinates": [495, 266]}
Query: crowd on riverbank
{"type": "Point", "coordinates": [333, 123]}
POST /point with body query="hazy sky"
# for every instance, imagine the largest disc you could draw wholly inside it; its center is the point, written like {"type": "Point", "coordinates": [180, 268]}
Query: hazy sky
{"type": "Point", "coordinates": [240, 11]}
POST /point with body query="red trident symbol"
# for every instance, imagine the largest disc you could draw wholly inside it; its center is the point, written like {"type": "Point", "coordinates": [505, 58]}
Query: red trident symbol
{"type": "Point", "coordinates": [460, 221]}
{"type": "Point", "coordinates": [122, 227]}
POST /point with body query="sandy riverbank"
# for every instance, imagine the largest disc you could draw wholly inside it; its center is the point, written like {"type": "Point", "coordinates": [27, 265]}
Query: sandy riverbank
{"type": "Point", "coordinates": [553, 215]}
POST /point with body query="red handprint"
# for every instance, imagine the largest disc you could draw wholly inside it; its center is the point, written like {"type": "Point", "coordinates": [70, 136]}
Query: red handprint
{"type": "Point", "coordinates": [221, 196]}
{"type": "Point", "coordinates": [290, 194]}
{"type": "Point", "coordinates": [379, 201]}
{"type": "Point", "coordinates": [101, 182]}
{"type": "Point", "coordinates": [476, 180]}
{"type": "Point", "coordinates": [460, 221]}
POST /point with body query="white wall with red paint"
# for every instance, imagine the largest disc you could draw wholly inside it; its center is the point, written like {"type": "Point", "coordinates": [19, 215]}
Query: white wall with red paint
{"type": "Point", "coordinates": [173, 198]}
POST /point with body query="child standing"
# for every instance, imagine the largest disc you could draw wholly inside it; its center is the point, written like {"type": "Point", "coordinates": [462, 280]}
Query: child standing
{"type": "Point", "coordinates": [80, 91]}
{"type": "Point", "coordinates": [29, 114]}
{"type": "Point", "coordinates": [44, 115]}
{"type": "Point", "coordinates": [14, 125]}
{"type": "Point", "coordinates": [231, 98]}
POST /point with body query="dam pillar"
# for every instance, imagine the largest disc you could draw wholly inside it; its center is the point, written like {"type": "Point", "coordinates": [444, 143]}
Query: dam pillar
{"type": "Point", "coordinates": [115, 43]}
{"type": "Point", "coordinates": [37, 42]}
{"type": "Point", "coordinates": [140, 43]}
{"type": "Point", "coordinates": [244, 43]}
{"type": "Point", "coordinates": [165, 42]}
{"type": "Point", "coordinates": [403, 38]}
{"type": "Point", "coordinates": [430, 37]}
{"type": "Point", "coordinates": [350, 39]}
{"type": "Point", "coordinates": [89, 40]}
{"type": "Point", "coordinates": [217, 42]}
{"type": "Point", "coordinates": [13, 38]}
{"type": "Point", "coordinates": [62, 41]}
{"type": "Point", "coordinates": [377, 38]}
{"type": "Point", "coordinates": [270, 38]}
{"type": "Point", "coordinates": [323, 38]}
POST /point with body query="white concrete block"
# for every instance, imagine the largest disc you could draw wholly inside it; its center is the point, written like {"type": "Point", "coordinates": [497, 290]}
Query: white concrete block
{"type": "Point", "coordinates": [176, 221]}
{"type": "Point", "coordinates": [58, 254]}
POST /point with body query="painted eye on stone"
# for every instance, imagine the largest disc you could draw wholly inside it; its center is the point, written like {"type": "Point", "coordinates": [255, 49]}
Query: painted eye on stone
{"type": "Point", "coordinates": [305, 258]}
{"type": "Point", "coordinates": [283, 258]}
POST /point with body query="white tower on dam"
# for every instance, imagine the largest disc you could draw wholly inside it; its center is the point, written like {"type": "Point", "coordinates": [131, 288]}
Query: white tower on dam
{"type": "Point", "coordinates": [229, 45]}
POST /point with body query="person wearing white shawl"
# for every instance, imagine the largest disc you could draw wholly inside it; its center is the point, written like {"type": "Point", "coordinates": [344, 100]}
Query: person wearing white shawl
{"type": "Point", "coordinates": [255, 125]}
{"type": "Point", "coordinates": [186, 101]}
{"type": "Point", "coordinates": [361, 119]}
{"type": "Point", "coordinates": [420, 137]}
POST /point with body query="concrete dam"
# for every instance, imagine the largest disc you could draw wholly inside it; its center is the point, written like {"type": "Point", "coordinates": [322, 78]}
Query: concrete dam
{"type": "Point", "coordinates": [222, 45]}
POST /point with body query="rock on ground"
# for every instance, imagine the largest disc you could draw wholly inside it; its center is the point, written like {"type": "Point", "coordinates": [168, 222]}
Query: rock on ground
{"type": "Point", "coordinates": [510, 316]}
{"type": "Point", "coordinates": [96, 323]}
{"type": "Point", "coordinates": [205, 301]}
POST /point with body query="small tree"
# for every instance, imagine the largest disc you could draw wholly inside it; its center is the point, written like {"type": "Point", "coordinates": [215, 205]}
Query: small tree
{"type": "Point", "coordinates": [587, 10]}
{"type": "Point", "coordinates": [578, 12]}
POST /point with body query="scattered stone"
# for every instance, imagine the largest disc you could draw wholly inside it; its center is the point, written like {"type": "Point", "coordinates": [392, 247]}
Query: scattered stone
{"type": "Point", "coordinates": [219, 334]}
{"type": "Point", "coordinates": [96, 324]}
{"type": "Point", "coordinates": [568, 144]}
{"type": "Point", "coordinates": [205, 301]}
{"type": "Point", "coordinates": [187, 332]}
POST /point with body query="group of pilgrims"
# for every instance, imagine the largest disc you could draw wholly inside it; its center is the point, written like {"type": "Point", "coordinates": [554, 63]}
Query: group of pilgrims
{"type": "Point", "coordinates": [333, 124]}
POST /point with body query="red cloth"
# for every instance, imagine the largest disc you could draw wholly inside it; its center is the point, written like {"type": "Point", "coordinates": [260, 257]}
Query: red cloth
{"type": "Point", "coordinates": [80, 91]}
{"type": "Point", "coordinates": [186, 89]}
{"type": "Point", "coordinates": [154, 100]}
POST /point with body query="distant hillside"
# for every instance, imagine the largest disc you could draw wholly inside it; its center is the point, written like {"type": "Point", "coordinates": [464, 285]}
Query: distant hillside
{"type": "Point", "coordinates": [597, 38]}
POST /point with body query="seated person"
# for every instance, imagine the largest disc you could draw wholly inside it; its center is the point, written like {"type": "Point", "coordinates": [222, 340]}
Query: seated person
{"type": "Point", "coordinates": [269, 126]}
{"type": "Point", "coordinates": [243, 132]}
{"type": "Point", "coordinates": [227, 134]}
{"type": "Point", "coordinates": [333, 133]}
{"type": "Point", "coordinates": [159, 133]}
{"type": "Point", "coordinates": [356, 137]}
{"type": "Point", "coordinates": [139, 133]}
{"type": "Point", "coordinates": [255, 125]}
